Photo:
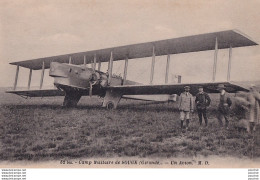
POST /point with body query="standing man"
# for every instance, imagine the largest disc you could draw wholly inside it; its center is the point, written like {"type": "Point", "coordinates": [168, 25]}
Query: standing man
{"type": "Point", "coordinates": [185, 106]}
{"type": "Point", "coordinates": [253, 99]}
{"type": "Point", "coordinates": [202, 101]}
{"type": "Point", "coordinates": [224, 106]}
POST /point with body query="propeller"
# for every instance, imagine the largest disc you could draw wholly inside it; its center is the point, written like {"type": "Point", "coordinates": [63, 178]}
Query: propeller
{"type": "Point", "coordinates": [90, 89]}
{"type": "Point", "coordinates": [92, 82]}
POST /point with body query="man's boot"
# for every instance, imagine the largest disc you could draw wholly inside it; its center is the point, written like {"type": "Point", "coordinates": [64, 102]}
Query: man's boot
{"type": "Point", "coordinates": [200, 120]}
{"type": "Point", "coordinates": [187, 123]}
{"type": "Point", "coordinates": [181, 124]}
{"type": "Point", "coordinates": [251, 127]}
{"type": "Point", "coordinates": [227, 123]}
{"type": "Point", "coordinates": [206, 122]}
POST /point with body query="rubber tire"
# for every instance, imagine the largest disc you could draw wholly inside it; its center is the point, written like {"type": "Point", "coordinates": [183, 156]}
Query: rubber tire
{"type": "Point", "coordinates": [110, 105]}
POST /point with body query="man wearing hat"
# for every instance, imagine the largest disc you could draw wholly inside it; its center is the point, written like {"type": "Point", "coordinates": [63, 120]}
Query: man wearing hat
{"type": "Point", "coordinates": [224, 106]}
{"type": "Point", "coordinates": [185, 106]}
{"type": "Point", "coordinates": [202, 101]}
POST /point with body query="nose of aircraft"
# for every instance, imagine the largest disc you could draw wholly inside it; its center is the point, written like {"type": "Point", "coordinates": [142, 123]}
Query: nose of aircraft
{"type": "Point", "coordinates": [58, 70]}
{"type": "Point", "coordinates": [73, 75]}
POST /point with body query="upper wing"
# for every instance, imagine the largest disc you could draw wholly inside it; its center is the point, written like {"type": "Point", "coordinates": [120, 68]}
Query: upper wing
{"type": "Point", "coordinates": [174, 88]}
{"type": "Point", "coordinates": [195, 43]}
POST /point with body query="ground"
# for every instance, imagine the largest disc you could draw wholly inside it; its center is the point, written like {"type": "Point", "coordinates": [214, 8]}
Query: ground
{"type": "Point", "coordinates": [40, 129]}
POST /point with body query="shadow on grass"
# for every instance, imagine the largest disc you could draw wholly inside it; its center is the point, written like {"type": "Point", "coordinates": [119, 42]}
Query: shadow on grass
{"type": "Point", "coordinates": [148, 107]}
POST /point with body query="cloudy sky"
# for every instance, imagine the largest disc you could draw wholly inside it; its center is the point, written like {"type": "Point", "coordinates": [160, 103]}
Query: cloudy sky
{"type": "Point", "coordinates": [36, 28]}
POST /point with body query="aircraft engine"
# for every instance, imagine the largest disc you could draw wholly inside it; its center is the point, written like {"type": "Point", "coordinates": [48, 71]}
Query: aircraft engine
{"type": "Point", "coordinates": [86, 75]}
{"type": "Point", "coordinates": [103, 80]}
{"type": "Point", "coordinates": [92, 81]}
{"type": "Point", "coordinates": [95, 77]}
{"type": "Point", "coordinates": [77, 76]}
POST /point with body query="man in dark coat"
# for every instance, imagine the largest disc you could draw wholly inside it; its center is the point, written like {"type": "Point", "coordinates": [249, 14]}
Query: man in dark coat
{"type": "Point", "coordinates": [202, 101]}
{"type": "Point", "coordinates": [224, 106]}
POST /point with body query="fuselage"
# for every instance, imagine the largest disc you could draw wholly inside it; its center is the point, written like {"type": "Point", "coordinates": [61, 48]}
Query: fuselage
{"type": "Point", "coordinates": [79, 77]}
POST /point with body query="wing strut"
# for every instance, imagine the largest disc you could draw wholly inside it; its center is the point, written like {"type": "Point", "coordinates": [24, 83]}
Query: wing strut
{"type": "Point", "coordinates": [110, 67]}
{"type": "Point", "coordinates": [229, 63]}
{"type": "Point", "coordinates": [16, 77]}
{"type": "Point", "coordinates": [125, 70]}
{"type": "Point", "coordinates": [85, 61]}
{"type": "Point", "coordinates": [95, 62]}
{"type": "Point", "coordinates": [167, 68]}
{"type": "Point", "coordinates": [29, 80]}
{"type": "Point", "coordinates": [215, 61]}
{"type": "Point", "coordinates": [99, 65]}
{"type": "Point", "coordinates": [152, 67]}
{"type": "Point", "coordinates": [42, 76]}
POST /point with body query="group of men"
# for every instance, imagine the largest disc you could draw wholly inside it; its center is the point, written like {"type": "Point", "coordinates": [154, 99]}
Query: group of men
{"type": "Point", "coordinates": [202, 101]}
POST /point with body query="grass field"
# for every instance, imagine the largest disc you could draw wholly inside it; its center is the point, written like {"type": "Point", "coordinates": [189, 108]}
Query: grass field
{"type": "Point", "coordinates": [40, 129]}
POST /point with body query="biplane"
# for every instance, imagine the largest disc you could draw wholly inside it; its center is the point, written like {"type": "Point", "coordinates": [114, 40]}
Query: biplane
{"type": "Point", "coordinates": [74, 79]}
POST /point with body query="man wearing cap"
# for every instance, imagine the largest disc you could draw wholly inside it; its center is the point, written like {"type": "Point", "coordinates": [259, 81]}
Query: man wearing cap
{"type": "Point", "coordinates": [202, 101]}
{"type": "Point", "coordinates": [224, 106]}
{"type": "Point", "coordinates": [185, 106]}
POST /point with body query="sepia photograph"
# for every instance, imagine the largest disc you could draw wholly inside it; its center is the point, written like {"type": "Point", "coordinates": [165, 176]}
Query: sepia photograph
{"type": "Point", "coordinates": [129, 84]}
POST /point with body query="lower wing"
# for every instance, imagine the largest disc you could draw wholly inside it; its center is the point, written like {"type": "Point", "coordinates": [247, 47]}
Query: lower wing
{"type": "Point", "coordinates": [175, 88]}
{"type": "Point", "coordinates": [38, 93]}
{"type": "Point", "coordinates": [166, 89]}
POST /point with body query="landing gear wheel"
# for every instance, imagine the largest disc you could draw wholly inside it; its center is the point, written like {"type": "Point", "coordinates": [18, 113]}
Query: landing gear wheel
{"type": "Point", "coordinates": [110, 105]}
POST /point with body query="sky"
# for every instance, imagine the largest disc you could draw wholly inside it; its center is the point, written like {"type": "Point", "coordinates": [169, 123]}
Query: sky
{"type": "Point", "coordinates": [35, 28]}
